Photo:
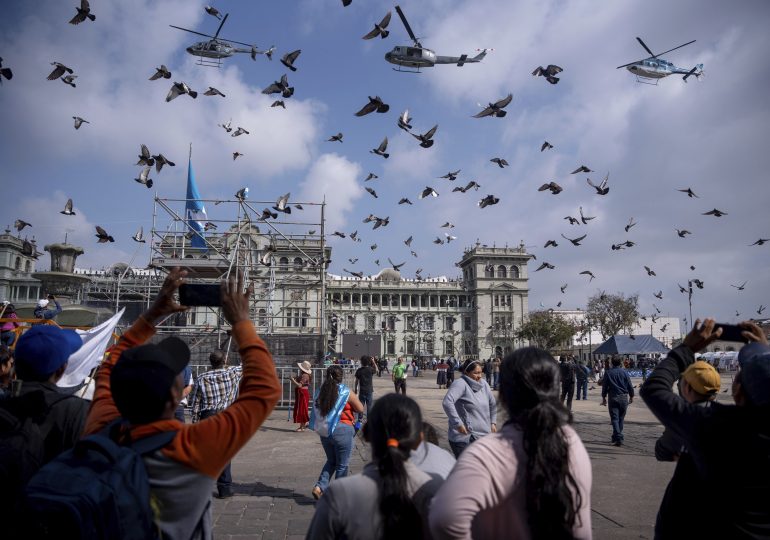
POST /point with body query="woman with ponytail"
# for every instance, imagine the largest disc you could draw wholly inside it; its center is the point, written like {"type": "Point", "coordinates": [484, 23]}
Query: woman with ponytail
{"type": "Point", "coordinates": [390, 498]}
{"type": "Point", "coordinates": [532, 479]}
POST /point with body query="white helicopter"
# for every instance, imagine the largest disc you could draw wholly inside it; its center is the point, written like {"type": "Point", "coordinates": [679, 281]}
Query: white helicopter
{"type": "Point", "coordinates": [212, 52]}
{"type": "Point", "coordinates": [654, 68]}
{"type": "Point", "coordinates": [421, 57]}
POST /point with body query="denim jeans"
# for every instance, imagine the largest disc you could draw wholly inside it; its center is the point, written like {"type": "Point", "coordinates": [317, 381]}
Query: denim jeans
{"type": "Point", "coordinates": [617, 406]}
{"type": "Point", "coordinates": [8, 337]}
{"type": "Point", "coordinates": [338, 449]}
{"type": "Point", "coordinates": [567, 391]}
{"type": "Point", "coordinates": [582, 385]}
{"type": "Point", "coordinates": [495, 379]}
{"type": "Point", "coordinates": [366, 401]}
{"type": "Point", "coordinates": [225, 480]}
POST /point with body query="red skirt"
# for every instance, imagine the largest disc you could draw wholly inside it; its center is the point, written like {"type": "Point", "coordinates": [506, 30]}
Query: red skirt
{"type": "Point", "coordinates": [301, 403]}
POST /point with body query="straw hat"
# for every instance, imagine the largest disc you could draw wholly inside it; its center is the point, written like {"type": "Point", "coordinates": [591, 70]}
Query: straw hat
{"type": "Point", "coordinates": [305, 366]}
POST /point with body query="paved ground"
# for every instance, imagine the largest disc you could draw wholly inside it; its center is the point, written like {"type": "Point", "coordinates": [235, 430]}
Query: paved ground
{"type": "Point", "coordinates": [275, 472]}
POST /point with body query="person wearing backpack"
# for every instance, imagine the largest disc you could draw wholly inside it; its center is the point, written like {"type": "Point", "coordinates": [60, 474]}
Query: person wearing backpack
{"type": "Point", "coordinates": [138, 389]}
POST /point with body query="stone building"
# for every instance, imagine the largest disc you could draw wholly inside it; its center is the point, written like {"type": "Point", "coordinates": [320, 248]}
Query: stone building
{"type": "Point", "coordinates": [17, 264]}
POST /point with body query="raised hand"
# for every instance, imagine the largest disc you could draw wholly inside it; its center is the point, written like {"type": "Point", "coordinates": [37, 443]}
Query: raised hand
{"type": "Point", "coordinates": [702, 335]}
{"type": "Point", "coordinates": [235, 302]}
{"type": "Point", "coordinates": [165, 304]}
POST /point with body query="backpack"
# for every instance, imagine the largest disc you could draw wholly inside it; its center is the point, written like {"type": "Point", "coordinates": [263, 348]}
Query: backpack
{"type": "Point", "coordinates": [325, 425]}
{"type": "Point", "coordinates": [98, 489]}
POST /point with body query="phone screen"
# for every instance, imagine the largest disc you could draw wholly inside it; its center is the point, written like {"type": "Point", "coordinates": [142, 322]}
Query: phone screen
{"type": "Point", "coordinates": [731, 332]}
{"type": "Point", "coordinates": [200, 294]}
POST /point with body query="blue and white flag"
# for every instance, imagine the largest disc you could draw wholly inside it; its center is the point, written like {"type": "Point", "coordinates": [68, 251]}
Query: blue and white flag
{"type": "Point", "coordinates": [195, 212]}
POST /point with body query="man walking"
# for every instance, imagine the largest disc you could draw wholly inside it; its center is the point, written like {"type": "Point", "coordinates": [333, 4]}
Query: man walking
{"type": "Point", "coordinates": [364, 387]}
{"type": "Point", "coordinates": [617, 385]}
{"type": "Point", "coordinates": [567, 371]}
{"type": "Point", "coordinates": [399, 376]}
{"type": "Point", "coordinates": [581, 375]}
{"type": "Point", "coordinates": [214, 391]}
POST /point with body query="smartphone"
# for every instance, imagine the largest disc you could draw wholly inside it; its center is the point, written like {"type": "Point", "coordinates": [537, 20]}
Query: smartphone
{"type": "Point", "coordinates": [731, 332]}
{"type": "Point", "coordinates": [200, 294]}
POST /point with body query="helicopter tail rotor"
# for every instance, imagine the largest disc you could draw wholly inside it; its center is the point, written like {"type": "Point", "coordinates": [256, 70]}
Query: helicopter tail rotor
{"type": "Point", "coordinates": [697, 71]}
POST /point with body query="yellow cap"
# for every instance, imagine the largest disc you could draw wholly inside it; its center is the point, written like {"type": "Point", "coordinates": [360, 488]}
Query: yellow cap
{"type": "Point", "coordinates": [702, 377]}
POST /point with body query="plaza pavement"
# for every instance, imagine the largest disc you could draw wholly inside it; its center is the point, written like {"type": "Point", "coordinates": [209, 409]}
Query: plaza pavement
{"type": "Point", "coordinates": [274, 473]}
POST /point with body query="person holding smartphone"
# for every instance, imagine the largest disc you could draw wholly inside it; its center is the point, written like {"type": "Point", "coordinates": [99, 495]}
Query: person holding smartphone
{"type": "Point", "coordinates": [41, 312]}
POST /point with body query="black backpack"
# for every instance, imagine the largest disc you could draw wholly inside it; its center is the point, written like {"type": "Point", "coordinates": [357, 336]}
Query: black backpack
{"type": "Point", "coordinates": [98, 489]}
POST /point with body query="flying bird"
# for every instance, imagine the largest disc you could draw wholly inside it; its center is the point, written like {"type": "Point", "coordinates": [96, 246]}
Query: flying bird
{"type": "Point", "coordinates": [404, 121]}
{"type": "Point", "coordinates": [145, 157]}
{"type": "Point", "coordinates": [682, 233]}
{"type": "Point", "coordinates": [279, 103]}
{"type": "Point", "coordinates": [242, 194]}
{"type": "Point", "coordinates": [650, 271]}
{"type": "Point", "coordinates": [395, 266]}
{"type": "Point", "coordinates": [359, 275]}
{"type": "Point", "coordinates": [581, 169]}
{"type": "Point", "coordinates": [289, 58]}
{"type": "Point", "coordinates": [267, 213]}
{"type": "Point", "coordinates": [466, 187]}
{"type": "Point", "coordinates": [354, 236]}
{"type": "Point", "coordinates": [588, 273]}
{"type": "Point", "coordinates": [144, 177]}
{"type": "Point", "coordinates": [5, 72]}
{"type": "Point", "coordinates": [451, 176]}
{"type": "Point", "coordinates": [58, 71]}
{"type": "Point", "coordinates": [553, 187]}
{"type": "Point", "coordinates": [681, 289]}
{"type": "Point", "coordinates": [617, 247]}
{"type": "Point", "coordinates": [236, 155]}
{"type": "Point", "coordinates": [438, 241]}
{"type": "Point", "coordinates": [413, 252]}
{"type": "Point", "coordinates": [213, 92]}
{"type": "Point", "coordinates": [353, 261]}
{"type": "Point", "coordinates": [280, 87]}
{"type": "Point", "coordinates": [426, 139]}
{"type": "Point", "coordinates": [381, 150]}
{"type": "Point", "coordinates": [338, 233]}
{"type": "Point", "coordinates": [631, 223]}
{"type": "Point", "coordinates": [379, 29]}
{"type": "Point", "coordinates": [370, 176]}
{"type": "Point", "coordinates": [282, 204]}
{"type": "Point", "coordinates": [449, 237]}
{"type": "Point", "coordinates": [375, 104]}
{"type": "Point", "coordinates": [601, 189]}
{"type": "Point", "coordinates": [545, 265]}
{"type": "Point", "coordinates": [214, 12]}
{"type": "Point", "coordinates": [740, 287]}
{"type": "Point", "coordinates": [489, 200]}
{"type": "Point", "coordinates": [20, 224]}
{"type": "Point", "coordinates": [583, 218]}
{"type": "Point", "coordinates": [496, 108]}
{"type": "Point", "coordinates": [690, 192]}
{"type": "Point", "coordinates": [79, 121]}
{"type": "Point", "coordinates": [428, 192]}
{"type": "Point", "coordinates": [548, 72]}
{"type": "Point", "coordinates": [563, 288]}
{"type": "Point", "coordinates": [572, 221]}
{"type": "Point", "coordinates": [658, 295]}
{"type": "Point", "coordinates": [546, 146]}
{"type": "Point", "coordinates": [500, 162]}
{"type": "Point", "coordinates": [408, 242]}
{"type": "Point", "coordinates": [448, 225]}
{"type": "Point", "coordinates": [404, 200]}
{"type": "Point", "coordinates": [102, 235]}
{"type": "Point", "coordinates": [70, 80]}
{"type": "Point", "coordinates": [760, 242]}
{"type": "Point", "coordinates": [239, 131]}
{"type": "Point", "coordinates": [335, 138]}
{"type": "Point", "coordinates": [371, 192]}
{"type": "Point", "coordinates": [161, 160]}
{"type": "Point", "coordinates": [761, 309]}
{"type": "Point", "coordinates": [698, 283]}
{"type": "Point", "coordinates": [575, 241]}
{"type": "Point", "coordinates": [715, 213]}
{"type": "Point", "coordinates": [68, 208]}
{"type": "Point", "coordinates": [161, 72]}
{"type": "Point", "coordinates": [178, 89]}
{"type": "Point", "coordinates": [83, 13]}
{"type": "Point", "coordinates": [227, 127]}
{"type": "Point", "coordinates": [373, 247]}
{"type": "Point", "coordinates": [550, 243]}
{"type": "Point", "coordinates": [139, 236]}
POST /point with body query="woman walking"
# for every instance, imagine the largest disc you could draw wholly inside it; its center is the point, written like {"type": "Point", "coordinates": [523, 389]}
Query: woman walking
{"type": "Point", "coordinates": [301, 395]}
{"type": "Point", "coordinates": [333, 418]}
{"type": "Point", "coordinates": [470, 407]}
{"type": "Point", "coordinates": [391, 496]}
{"type": "Point", "coordinates": [530, 480]}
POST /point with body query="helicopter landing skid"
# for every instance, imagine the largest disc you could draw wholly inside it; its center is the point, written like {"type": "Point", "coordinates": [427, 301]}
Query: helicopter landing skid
{"type": "Point", "coordinates": [406, 70]}
{"type": "Point", "coordinates": [647, 80]}
{"type": "Point", "coordinates": [209, 62]}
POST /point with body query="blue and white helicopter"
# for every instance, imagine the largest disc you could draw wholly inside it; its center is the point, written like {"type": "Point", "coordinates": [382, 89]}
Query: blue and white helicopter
{"type": "Point", "coordinates": [211, 53]}
{"type": "Point", "coordinates": [651, 69]}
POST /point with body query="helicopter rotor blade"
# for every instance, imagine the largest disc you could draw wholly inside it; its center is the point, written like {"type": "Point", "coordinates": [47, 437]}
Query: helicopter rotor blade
{"type": "Point", "coordinates": [632, 63]}
{"type": "Point", "coordinates": [646, 48]}
{"type": "Point", "coordinates": [675, 48]}
{"type": "Point", "coordinates": [238, 42]}
{"type": "Point", "coordinates": [191, 31]}
{"type": "Point", "coordinates": [221, 25]}
{"type": "Point", "coordinates": [408, 28]}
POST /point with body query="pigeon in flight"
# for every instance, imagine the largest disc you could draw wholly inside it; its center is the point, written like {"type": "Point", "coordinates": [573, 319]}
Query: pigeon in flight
{"type": "Point", "coordinates": [375, 104]}
{"type": "Point", "coordinates": [354, 236]}
{"type": "Point", "coordinates": [145, 158]}
{"type": "Point", "coordinates": [469, 185]}
{"type": "Point", "coordinates": [58, 71]}
{"type": "Point", "coordinates": [681, 289]}
{"type": "Point", "coordinates": [740, 287]}
{"type": "Point", "coordinates": [550, 243]}
{"type": "Point", "coordinates": [496, 108]}
{"type": "Point", "coordinates": [715, 213]}
{"type": "Point", "coordinates": [404, 122]}
{"type": "Point", "coordinates": [658, 295]}
{"type": "Point", "coordinates": [381, 222]}
{"type": "Point", "coordinates": [236, 155]}
{"type": "Point", "coordinates": [353, 261]}
{"type": "Point", "coordinates": [369, 218]}
{"type": "Point", "coordinates": [5, 72]}
{"type": "Point", "coordinates": [588, 273]}
{"type": "Point", "coordinates": [428, 192]}
{"type": "Point", "coordinates": [581, 169]}
{"type": "Point", "coordinates": [373, 247]}
{"type": "Point", "coordinates": [70, 80]}
{"type": "Point", "coordinates": [449, 237]}
{"type": "Point", "coordinates": [144, 177]}
{"type": "Point", "coordinates": [242, 194]}
{"type": "Point", "coordinates": [408, 242]}
{"type": "Point", "coordinates": [139, 236]}
{"type": "Point", "coordinates": [79, 121]}
{"type": "Point", "coordinates": [161, 73]}
{"type": "Point", "coordinates": [617, 247]}
{"type": "Point", "coordinates": [335, 138]}
{"type": "Point", "coordinates": [161, 160]}
{"type": "Point", "coordinates": [278, 103]}
{"type": "Point", "coordinates": [585, 219]}
{"type": "Point", "coordinates": [690, 192]}
{"type": "Point", "coordinates": [682, 233]}
{"type": "Point", "coordinates": [289, 58]}
{"type": "Point", "coordinates": [102, 235]}
{"type": "Point", "coordinates": [761, 242]}
{"type": "Point", "coordinates": [631, 223]}
{"type": "Point", "coordinates": [548, 72]}
{"type": "Point", "coordinates": [448, 225]}
{"type": "Point", "coordinates": [20, 224]}
{"type": "Point", "coordinates": [404, 200]}
{"type": "Point", "coordinates": [281, 205]}
{"type": "Point", "coordinates": [546, 146]}
{"type": "Point", "coordinates": [413, 252]}
{"type": "Point", "coordinates": [438, 241]}
{"type": "Point", "coordinates": [338, 233]}
{"type": "Point", "coordinates": [601, 189]}
{"type": "Point", "coordinates": [371, 192]}
{"type": "Point", "coordinates": [280, 87]}
{"type": "Point", "coordinates": [553, 187]}
{"type": "Point", "coordinates": [395, 266]}
{"type": "Point", "coordinates": [178, 89]}
{"type": "Point", "coordinates": [572, 221]}
{"type": "Point", "coordinates": [68, 209]}
{"type": "Point", "coordinates": [379, 29]}
{"type": "Point", "coordinates": [370, 176]}
{"type": "Point", "coordinates": [227, 127]}
{"type": "Point", "coordinates": [213, 92]}
{"type": "Point", "coordinates": [267, 213]}
{"type": "Point", "coordinates": [575, 241]}
{"type": "Point", "coordinates": [563, 288]}
{"type": "Point", "coordinates": [451, 176]}
{"type": "Point", "coordinates": [83, 13]}
{"type": "Point", "coordinates": [214, 12]}
{"type": "Point", "coordinates": [698, 283]}
{"type": "Point", "coordinates": [359, 275]}
{"type": "Point", "coordinates": [545, 265]}
{"type": "Point", "coordinates": [650, 271]}
{"type": "Point", "coordinates": [426, 139]}
{"type": "Point", "coordinates": [500, 162]}
{"type": "Point", "coordinates": [381, 150]}
{"type": "Point", "coordinates": [761, 309]}
{"type": "Point", "coordinates": [489, 200]}
{"type": "Point", "coordinates": [239, 131]}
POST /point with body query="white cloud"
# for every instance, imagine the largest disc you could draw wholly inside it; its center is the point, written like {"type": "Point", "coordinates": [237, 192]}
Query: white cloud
{"type": "Point", "coordinates": [333, 178]}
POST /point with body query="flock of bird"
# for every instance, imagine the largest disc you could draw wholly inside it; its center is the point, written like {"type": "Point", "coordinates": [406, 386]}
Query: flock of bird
{"type": "Point", "coordinates": [375, 104]}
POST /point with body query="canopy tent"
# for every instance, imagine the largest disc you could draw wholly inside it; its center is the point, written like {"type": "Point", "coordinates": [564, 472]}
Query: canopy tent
{"type": "Point", "coordinates": [644, 344]}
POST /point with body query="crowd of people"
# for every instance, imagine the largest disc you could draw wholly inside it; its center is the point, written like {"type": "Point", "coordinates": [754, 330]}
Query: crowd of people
{"type": "Point", "coordinates": [531, 477]}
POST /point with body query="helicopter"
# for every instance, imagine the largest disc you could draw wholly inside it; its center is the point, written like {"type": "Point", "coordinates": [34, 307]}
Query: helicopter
{"type": "Point", "coordinates": [420, 57]}
{"type": "Point", "coordinates": [210, 53]}
{"type": "Point", "coordinates": [655, 68]}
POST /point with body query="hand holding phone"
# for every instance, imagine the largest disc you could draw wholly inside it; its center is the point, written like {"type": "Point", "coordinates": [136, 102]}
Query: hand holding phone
{"type": "Point", "coordinates": [731, 332]}
{"type": "Point", "coordinates": [200, 294]}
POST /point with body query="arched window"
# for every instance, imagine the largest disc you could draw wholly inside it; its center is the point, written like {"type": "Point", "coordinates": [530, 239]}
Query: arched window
{"type": "Point", "coordinates": [283, 262]}
{"type": "Point", "coordinates": [515, 272]}
{"type": "Point", "coordinates": [501, 271]}
{"type": "Point", "coordinates": [298, 264]}
{"type": "Point", "coordinates": [28, 266]}
{"type": "Point", "coordinates": [489, 271]}
{"type": "Point", "coordinates": [17, 265]}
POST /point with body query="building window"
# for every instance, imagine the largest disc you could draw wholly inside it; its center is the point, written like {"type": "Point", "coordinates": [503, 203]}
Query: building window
{"type": "Point", "coordinates": [283, 262]}
{"type": "Point", "coordinates": [501, 271]}
{"type": "Point", "coordinates": [375, 299]}
{"type": "Point", "coordinates": [356, 299]}
{"type": "Point", "coordinates": [515, 272]}
{"type": "Point", "coordinates": [345, 298]}
{"type": "Point", "coordinates": [508, 300]}
{"type": "Point", "coordinates": [370, 322]}
{"type": "Point", "coordinates": [297, 317]}
{"type": "Point", "coordinates": [414, 300]}
{"type": "Point", "coordinates": [393, 300]}
{"type": "Point", "coordinates": [351, 322]}
{"type": "Point", "coordinates": [433, 301]}
{"type": "Point", "coordinates": [390, 322]}
{"type": "Point", "coordinates": [410, 323]}
{"type": "Point", "coordinates": [423, 301]}
{"type": "Point", "coordinates": [489, 271]}
{"type": "Point", "coordinates": [17, 265]}
{"type": "Point", "coordinates": [449, 323]}
{"type": "Point", "coordinates": [410, 347]}
{"type": "Point", "coordinates": [448, 347]}
{"type": "Point", "coordinates": [298, 264]}
{"type": "Point", "coordinates": [28, 266]}
{"type": "Point", "coordinates": [467, 326]}
{"type": "Point", "coordinates": [428, 323]}
{"type": "Point", "coordinates": [462, 301]}
{"type": "Point", "coordinates": [385, 299]}
{"type": "Point", "coordinates": [390, 346]}
{"type": "Point", "coordinates": [365, 299]}
{"type": "Point", "coordinates": [262, 317]}
{"type": "Point", "coordinates": [497, 300]}
{"type": "Point", "coordinates": [429, 346]}
{"type": "Point", "coordinates": [468, 346]}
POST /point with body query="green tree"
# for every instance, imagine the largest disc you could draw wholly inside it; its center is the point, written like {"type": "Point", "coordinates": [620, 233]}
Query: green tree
{"type": "Point", "coordinates": [611, 313]}
{"type": "Point", "coordinates": [546, 329]}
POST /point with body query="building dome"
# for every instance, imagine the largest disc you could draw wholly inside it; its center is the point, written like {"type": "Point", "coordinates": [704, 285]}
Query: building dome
{"type": "Point", "coordinates": [388, 274]}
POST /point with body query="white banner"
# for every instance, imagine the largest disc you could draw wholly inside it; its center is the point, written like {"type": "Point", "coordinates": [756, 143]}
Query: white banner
{"type": "Point", "coordinates": [95, 341]}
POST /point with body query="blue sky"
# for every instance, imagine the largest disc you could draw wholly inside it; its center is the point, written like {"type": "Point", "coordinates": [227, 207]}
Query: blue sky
{"type": "Point", "coordinates": [709, 134]}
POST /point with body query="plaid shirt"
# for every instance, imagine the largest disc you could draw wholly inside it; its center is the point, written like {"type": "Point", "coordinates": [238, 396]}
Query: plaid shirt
{"type": "Point", "coordinates": [215, 390]}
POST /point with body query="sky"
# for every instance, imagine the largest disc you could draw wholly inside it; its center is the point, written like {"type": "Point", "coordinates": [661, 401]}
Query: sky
{"type": "Point", "coordinates": [709, 134]}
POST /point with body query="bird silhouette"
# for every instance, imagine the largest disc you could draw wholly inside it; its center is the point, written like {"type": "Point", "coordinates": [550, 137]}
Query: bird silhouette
{"type": "Point", "coordinates": [500, 162]}
{"type": "Point", "coordinates": [280, 86]}
{"type": "Point", "coordinates": [631, 223]}
{"type": "Point", "coordinates": [381, 150]}
{"type": "Point", "coordinates": [178, 89]}
{"type": "Point", "coordinates": [144, 177]}
{"type": "Point", "coordinates": [68, 208]}
{"type": "Point", "coordinates": [715, 213]}
{"type": "Point", "coordinates": [545, 265]}
{"type": "Point", "coordinates": [546, 146]}
{"type": "Point", "coordinates": [761, 242]}
{"type": "Point", "coordinates": [426, 139]}
{"type": "Point", "coordinates": [550, 243]}
{"type": "Point", "coordinates": [690, 193]}
{"type": "Point", "coordinates": [650, 271]}
{"type": "Point", "coordinates": [451, 176]}
{"type": "Point", "coordinates": [601, 189]}
{"type": "Point", "coordinates": [379, 29]}
{"type": "Point", "coordinates": [139, 236]}
{"type": "Point", "coordinates": [740, 287]}
{"type": "Point", "coordinates": [288, 59]}
{"type": "Point", "coordinates": [404, 121]}
{"type": "Point", "coordinates": [548, 72]}
{"type": "Point", "coordinates": [585, 219]}
{"type": "Point", "coordinates": [404, 200]}
{"type": "Point", "coordinates": [161, 72]}
{"type": "Point", "coordinates": [588, 273]}
{"type": "Point", "coordinates": [581, 169]}
{"type": "Point", "coordinates": [553, 187]}
{"type": "Point", "coordinates": [575, 241]}
{"type": "Point", "coordinates": [83, 13]}
{"type": "Point", "coordinates": [496, 108]}
{"type": "Point", "coordinates": [213, 92]}
{"type": "Point", "coordinates": [428, 192]}
{"type": "Point", "coordinates": [489, 200]}
{"type": "Point", "coordinates": [375, 104]}
{"type": "Point", "coordinates": [79, 121]}
{"type": "Point", "coordinates": [102, 235]}
{"type": "Point", "coordinates": [682, 233]}
{"type": "Point", "coordinates": [335, 138]}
